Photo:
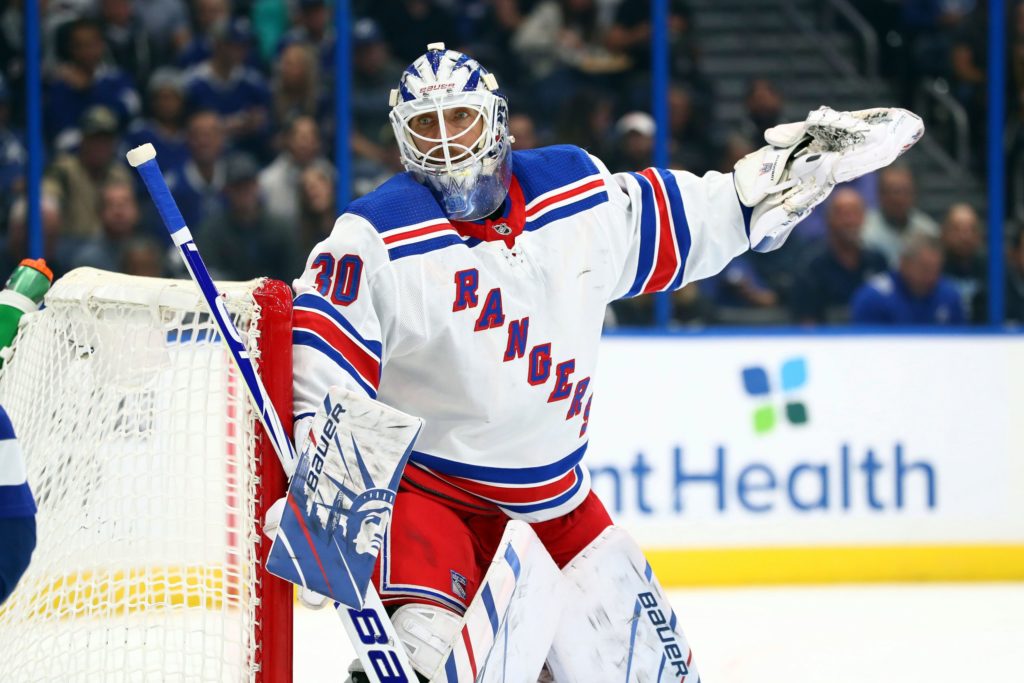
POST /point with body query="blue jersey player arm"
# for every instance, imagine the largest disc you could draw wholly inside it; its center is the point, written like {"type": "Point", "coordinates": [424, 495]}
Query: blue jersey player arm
{"type": "Point", "coordinates": [17, 511]}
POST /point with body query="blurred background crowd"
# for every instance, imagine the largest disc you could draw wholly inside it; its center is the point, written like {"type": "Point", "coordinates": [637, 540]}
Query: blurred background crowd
{"type": "Point", "coordinates": [237, 96]}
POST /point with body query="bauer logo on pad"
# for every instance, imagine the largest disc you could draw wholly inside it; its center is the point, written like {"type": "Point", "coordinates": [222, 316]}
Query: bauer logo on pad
{"type": "Point", "coordinates": [341, 497]}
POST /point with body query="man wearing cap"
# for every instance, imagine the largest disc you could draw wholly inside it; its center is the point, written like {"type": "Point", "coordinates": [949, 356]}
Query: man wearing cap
{"type": "Point", "coordinates": [243, 240]}
{"type": "Point", "coordinates": [73, 181]}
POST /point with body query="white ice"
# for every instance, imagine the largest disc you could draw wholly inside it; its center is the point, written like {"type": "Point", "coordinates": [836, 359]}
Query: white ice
{"type": "Point", "coordinates": [901, 633]}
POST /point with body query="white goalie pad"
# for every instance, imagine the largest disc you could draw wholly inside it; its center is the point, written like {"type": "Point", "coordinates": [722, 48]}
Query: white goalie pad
{"type": "Point", "coordinates": [620, 626]}
{"type": "Point", "coordinates": [508, 629]}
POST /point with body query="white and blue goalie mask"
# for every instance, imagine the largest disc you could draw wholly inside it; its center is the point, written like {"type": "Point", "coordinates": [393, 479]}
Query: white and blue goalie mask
{"type": "Point", "coordinates": [451, 124]}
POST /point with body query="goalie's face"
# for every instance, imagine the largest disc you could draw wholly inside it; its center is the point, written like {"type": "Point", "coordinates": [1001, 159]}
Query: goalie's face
{"type": "Point", "coordinates": [459, 129]}
{"type": "Point", "coordinates": [458, 146]}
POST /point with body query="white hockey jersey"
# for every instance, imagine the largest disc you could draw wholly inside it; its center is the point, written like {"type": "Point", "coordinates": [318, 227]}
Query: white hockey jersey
{"type": "Point", "coordinates": [489, 330]}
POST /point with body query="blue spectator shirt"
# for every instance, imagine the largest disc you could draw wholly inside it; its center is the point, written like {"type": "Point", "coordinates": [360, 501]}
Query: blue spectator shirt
{"type": "Point", "coordinates": [885, 300]}
{"type": "Point", "coordinates": [196, 198]}
{"type": "Point", "coordinates": [244, 89]}
{"type": "Point", "coordinates": [65, 105]}
{"type": "Point", "coordinates": [825, 287]}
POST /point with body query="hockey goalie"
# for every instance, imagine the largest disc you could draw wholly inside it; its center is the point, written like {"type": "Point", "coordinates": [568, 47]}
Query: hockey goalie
{"type": "Point", "coordinates": [470, 291]}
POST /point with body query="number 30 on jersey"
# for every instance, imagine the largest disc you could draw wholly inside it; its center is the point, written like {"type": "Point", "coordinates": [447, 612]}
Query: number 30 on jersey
{"type": "Point", "coordinates": [338, 280]}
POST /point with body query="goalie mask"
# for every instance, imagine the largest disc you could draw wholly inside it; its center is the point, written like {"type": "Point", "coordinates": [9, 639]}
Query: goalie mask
{"type": "Point", "coordinates": [451, 124]}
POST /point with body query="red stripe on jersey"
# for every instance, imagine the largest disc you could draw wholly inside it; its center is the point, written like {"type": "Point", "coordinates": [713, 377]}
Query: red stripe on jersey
{"type": "Point", "coordinates": [563, 196]}
{"type": "Point", "coordinates": [666, 262]}
{"type": "Point", "coordinates": [516, 494]}
{"type": "Point", "coordinates": [364, 363]}
{"type": "Point", "coordinates": [469, 650]}
{"type": "Point", "coordinates": [419, 232]}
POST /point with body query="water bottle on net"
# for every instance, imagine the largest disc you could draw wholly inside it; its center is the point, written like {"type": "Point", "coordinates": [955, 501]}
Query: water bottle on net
{"type": "Point", "coordinates": [24, 292]}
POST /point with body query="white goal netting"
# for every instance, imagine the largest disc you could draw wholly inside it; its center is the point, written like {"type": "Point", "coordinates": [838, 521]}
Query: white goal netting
{"type": "Point", "coordinates": [140, 449]}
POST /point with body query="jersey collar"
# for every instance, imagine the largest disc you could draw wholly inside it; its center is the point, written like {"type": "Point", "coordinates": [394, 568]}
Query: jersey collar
{"type": "Point", "coordinates": [506, 228]}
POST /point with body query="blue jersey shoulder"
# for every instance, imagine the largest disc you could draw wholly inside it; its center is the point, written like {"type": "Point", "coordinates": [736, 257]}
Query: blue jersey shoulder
{"type": "Point", "coordinates": [544, 169]}
{"type": "Point", "coordinates": [399, 202]}
{"type": "Point", "coordinates": [402, 201]}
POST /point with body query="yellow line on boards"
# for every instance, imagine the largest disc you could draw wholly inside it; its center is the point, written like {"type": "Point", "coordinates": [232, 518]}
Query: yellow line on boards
{"type": "Point", "coordinates": [844, 564]}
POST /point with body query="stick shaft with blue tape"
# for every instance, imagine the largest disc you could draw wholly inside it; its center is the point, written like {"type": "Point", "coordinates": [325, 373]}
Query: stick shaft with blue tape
{"type": "Point", "coordinates": [383, 661]}
{"type": "Point", "coordinates": [143, 159]}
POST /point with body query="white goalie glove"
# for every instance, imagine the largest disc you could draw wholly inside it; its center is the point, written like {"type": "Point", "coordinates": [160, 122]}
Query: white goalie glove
{"type": "Point", "coordinates": [803, 161]}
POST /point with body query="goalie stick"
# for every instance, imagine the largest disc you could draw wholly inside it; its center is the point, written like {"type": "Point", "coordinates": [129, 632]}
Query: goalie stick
{"type": "Point", "coordinates": [368, 626]}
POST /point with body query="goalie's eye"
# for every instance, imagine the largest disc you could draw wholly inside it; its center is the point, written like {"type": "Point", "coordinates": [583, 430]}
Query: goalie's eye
{"type": "Point", "coordinates": [424, 122]}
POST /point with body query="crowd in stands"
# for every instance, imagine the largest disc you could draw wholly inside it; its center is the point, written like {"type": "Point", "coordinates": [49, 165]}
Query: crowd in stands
{"type": "Point", "coordinates": [237, 97]}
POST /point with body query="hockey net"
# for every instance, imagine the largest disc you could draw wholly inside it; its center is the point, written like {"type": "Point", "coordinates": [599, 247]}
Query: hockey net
{"type": "Point", "coordinates": [151, 476]}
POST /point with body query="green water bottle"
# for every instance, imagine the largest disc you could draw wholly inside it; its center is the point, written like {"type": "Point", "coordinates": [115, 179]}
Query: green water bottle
{"type": "Point", "coordinates": [24, 292]}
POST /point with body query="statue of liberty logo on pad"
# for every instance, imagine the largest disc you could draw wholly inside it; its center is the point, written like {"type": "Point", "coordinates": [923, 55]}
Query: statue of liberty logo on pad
{"type": "Point", "coordinates": [340, 499]}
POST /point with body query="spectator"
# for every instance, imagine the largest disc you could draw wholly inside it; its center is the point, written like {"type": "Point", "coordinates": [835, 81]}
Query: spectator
{"type": "Point", "coordinates": [57, 249]}
{"type": "Point", "coordinates": [833, 273]}
{"type": "Point", "coordinates": [374, 74]}
{"type": "Point", "coordinates": [485, 31]}
{"type": "Point", "coordinates": [279, 182]}
{"type": "Point", "coordinates": [915, 294]}
{"type": "Point", "coordinates": [634, 143]}
{"type": "Point", "coordinates": [409, 25]}
{"type": "Point", "coordinates": [965, 263]}
{"type": "Point", "coordinates": [630, 34]}
{"type": "Point", "coordinates": [736, 147]}
{"type": "Point", "coordinates": [896, 218]}
{"type": "Point", "coordinates": [586, 120]}
{"type": "Point", "coordinates": [74, 180]}
{"type": "Point", "coordinates": [764, 106]}
{"type": "Point", "coordinates": [81, 81]}
{"type": "Point", "coordinates": [312, 27]}
{"type": "Point", "coordinates": [208, 16]}
{"type": "Point", "coordinates": [296, 84]}
{"type": "Point", "coordinates": [197, 185]}
{"type": "Point", "coordinates": [119, 215]}
{"type": "Point", "coordinates": [142, 256]}
{"type": "Point", "coordinates": [741, 295]}
{"type": "Point", "coordinates": [317, 204]}
{"type": "Point", "coordinates": [562, 44]}
{"type": "Point", "coordinates": [13, 158]}
{"type": "Point", "coordinates": [166, 22]}
{"type": "Point", "coordinates": [692, 141]}
{"type": "Point", "coordinates": [243, 240]}
{"type": "Point", "coordinates": [1015, 279]}
{"type": "Point", "coordinates": [523, 132]}
{"type": "Point", "coordinates": [224, 84]}
{"type": "Point", "coordinates": [165, 126]}
{"type": "Point", "coordinates": [129, 45]}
